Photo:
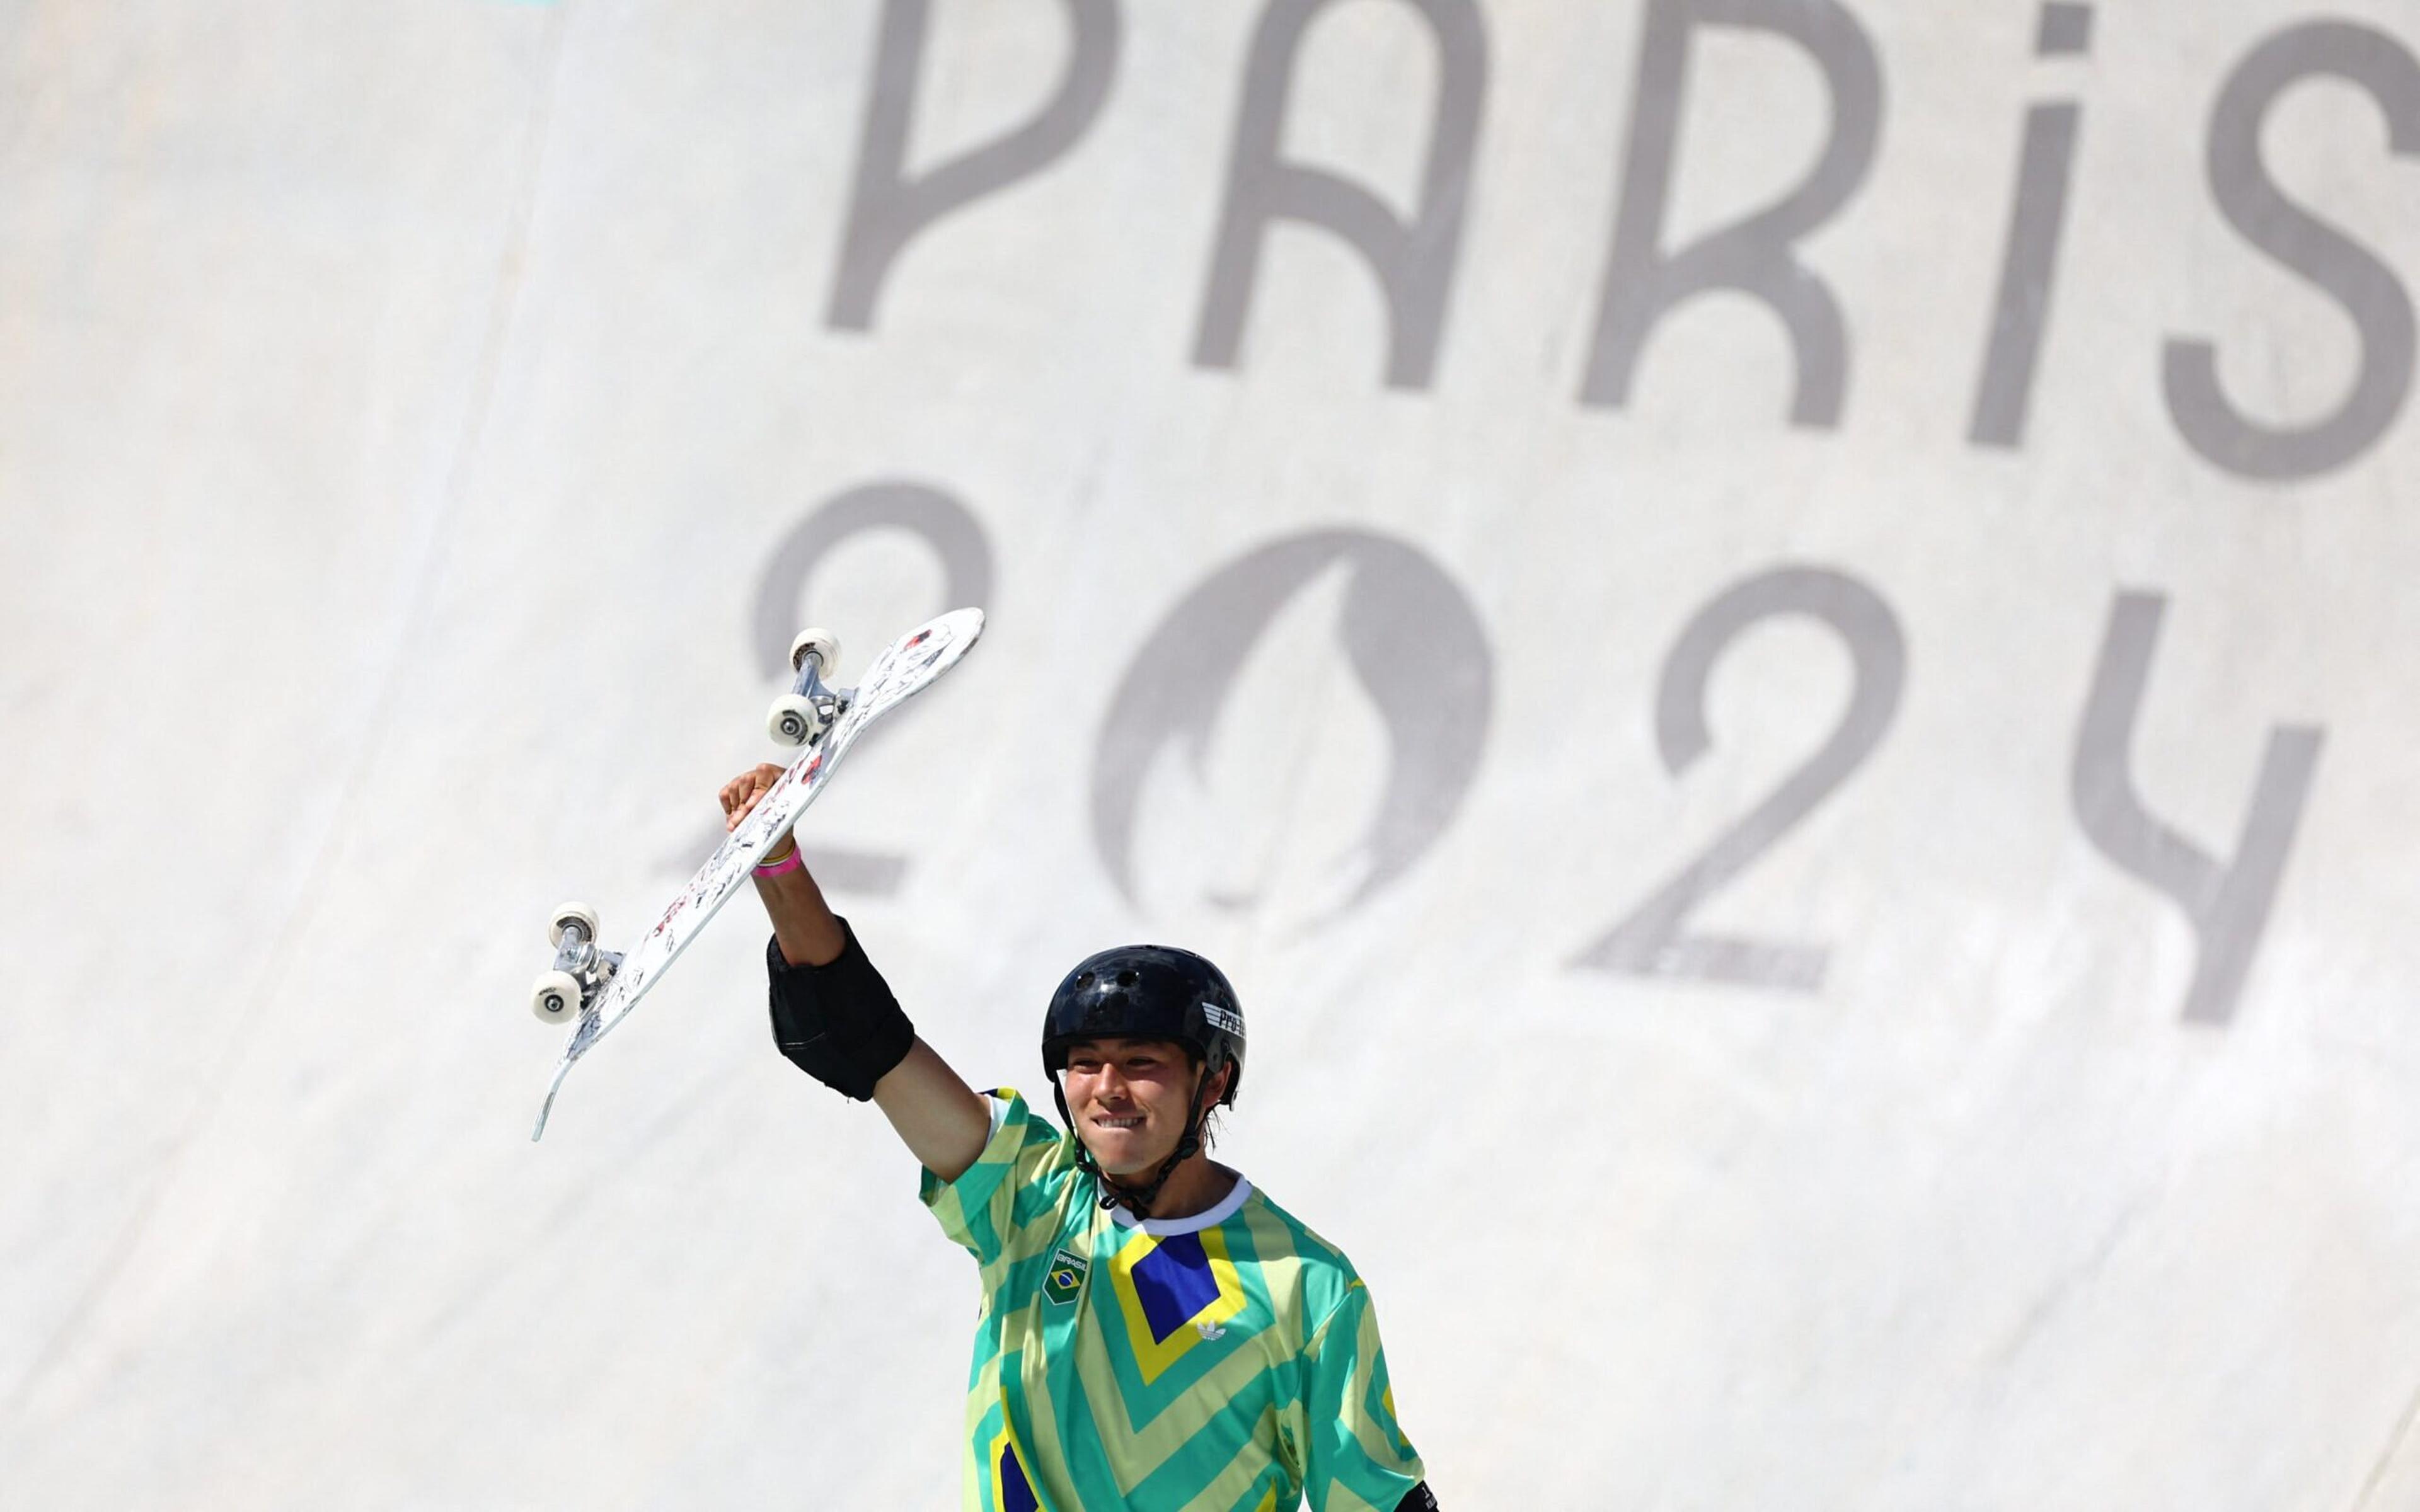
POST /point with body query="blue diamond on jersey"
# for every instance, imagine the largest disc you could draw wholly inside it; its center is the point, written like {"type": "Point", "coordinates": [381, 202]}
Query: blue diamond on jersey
{"type": "Point", "coordinates": [1016, 1494]}
{"type": "Point", "coordinates": [1173, 1284]}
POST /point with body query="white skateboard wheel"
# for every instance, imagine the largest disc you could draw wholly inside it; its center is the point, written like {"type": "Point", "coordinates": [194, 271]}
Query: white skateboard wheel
{"type": "Point", "coordinates": [568, 914]}
{"type": "Point", "coordinates": [794, 719]}
{"type": "Point", "coordinates": [555, 997]}
{"type": "Point", "coordinates": [819, 643]}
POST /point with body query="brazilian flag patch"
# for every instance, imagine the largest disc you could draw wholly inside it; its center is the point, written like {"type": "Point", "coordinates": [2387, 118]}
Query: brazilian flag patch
{"type": "Point", "coordinates": [1065, 1281]}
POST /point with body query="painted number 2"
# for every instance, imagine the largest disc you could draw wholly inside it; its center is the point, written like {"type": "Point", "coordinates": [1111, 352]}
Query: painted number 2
{"type": "Point", "coordinates": [1652, 941]}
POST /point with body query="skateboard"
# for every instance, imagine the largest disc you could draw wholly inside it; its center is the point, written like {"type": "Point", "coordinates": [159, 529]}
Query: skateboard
{"type": "Point", "coordinates": [598, 987]}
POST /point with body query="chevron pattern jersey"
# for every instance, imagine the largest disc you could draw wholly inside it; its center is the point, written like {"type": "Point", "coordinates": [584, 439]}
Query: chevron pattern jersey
{"type": "Point", "coordinates": [1227, 1362]}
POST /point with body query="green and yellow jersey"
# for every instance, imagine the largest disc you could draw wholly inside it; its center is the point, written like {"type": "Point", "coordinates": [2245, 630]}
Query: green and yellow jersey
{"type": "Point", "coordinates": [1228, 1362]}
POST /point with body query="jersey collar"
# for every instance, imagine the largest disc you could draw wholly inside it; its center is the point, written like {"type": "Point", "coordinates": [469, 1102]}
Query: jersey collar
{"type": "Point", "coordinates": [1211, 1217]}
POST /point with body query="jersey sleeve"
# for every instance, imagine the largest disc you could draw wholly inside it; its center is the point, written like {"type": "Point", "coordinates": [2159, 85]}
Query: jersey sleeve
{"type": "Point", "coordinates": [1015, 1181]}
{"type": "Point", "coordinates": [1357, 1457]}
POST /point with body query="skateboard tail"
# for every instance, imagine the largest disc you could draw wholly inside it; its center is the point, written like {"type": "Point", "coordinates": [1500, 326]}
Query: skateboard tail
{"type": "Point", "coordinates": [548, 1106]}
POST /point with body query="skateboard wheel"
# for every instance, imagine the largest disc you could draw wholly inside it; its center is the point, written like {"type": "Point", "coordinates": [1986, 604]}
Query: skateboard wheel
{"type": "Point", "coordinates": [566, 915]}
{"type": "Point", "coordinates": [819, 643]}
{"type": "Point", "coordinates": [555, 997]}
{"type": "Point", "coordinates": [794, 719]}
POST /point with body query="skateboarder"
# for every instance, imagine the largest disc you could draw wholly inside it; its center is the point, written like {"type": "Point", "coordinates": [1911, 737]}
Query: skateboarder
{"type": "Point", "coordinates": [1156, 1333]}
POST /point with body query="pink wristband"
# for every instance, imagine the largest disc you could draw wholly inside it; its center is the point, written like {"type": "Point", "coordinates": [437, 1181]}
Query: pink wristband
{"type": "Point", "coordinates": [782, 868]}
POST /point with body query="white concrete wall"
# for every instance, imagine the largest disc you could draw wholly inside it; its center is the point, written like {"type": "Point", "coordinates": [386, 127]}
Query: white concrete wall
{"type": "Point", "coordinates": [403, 409]}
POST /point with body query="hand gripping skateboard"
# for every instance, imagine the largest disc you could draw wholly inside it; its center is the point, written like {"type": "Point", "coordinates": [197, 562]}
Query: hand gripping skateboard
{"type": "Point", "coordinates": [600, 986]}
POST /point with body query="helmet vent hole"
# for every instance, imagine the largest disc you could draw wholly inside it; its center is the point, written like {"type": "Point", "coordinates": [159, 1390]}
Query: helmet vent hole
{"type": "Point", "coordinates": [1127, 979]}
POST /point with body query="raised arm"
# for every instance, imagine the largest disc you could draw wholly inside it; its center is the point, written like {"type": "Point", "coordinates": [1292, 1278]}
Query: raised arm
{"type": "Point", "coordinates": [834, 1017]}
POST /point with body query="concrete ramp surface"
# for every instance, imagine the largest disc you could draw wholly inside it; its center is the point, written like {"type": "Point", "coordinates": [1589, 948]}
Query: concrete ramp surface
{"type": "Point", "coordinates": [1771, 637]}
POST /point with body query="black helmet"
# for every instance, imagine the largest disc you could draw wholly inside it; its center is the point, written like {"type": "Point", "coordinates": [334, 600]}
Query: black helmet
{"type": "Point", "coordinates": [1147, 992]}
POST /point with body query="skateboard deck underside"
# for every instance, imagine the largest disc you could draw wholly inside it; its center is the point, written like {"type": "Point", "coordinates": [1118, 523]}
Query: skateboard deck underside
{"type": "Point", "coordinates": [907, 668]}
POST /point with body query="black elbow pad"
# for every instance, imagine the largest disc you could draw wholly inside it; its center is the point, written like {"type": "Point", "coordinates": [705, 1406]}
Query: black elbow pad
{"type": "Point", "coordinates": [838, 1023]}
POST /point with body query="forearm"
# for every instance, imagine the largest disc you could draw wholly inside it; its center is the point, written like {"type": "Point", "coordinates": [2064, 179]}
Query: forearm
{"type": "Point", "coordinates": [808, 933]}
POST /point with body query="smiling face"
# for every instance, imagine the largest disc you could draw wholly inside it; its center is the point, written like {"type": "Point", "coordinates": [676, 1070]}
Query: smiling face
{"type": "Point", "coordinates": [1131, 1099]}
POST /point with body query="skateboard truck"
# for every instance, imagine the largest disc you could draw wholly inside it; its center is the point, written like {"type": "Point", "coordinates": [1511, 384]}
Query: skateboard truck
{"type": "Point", "coordinates": [800, 715]}
{"type": "Point", "coordinates": [580, 968]}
